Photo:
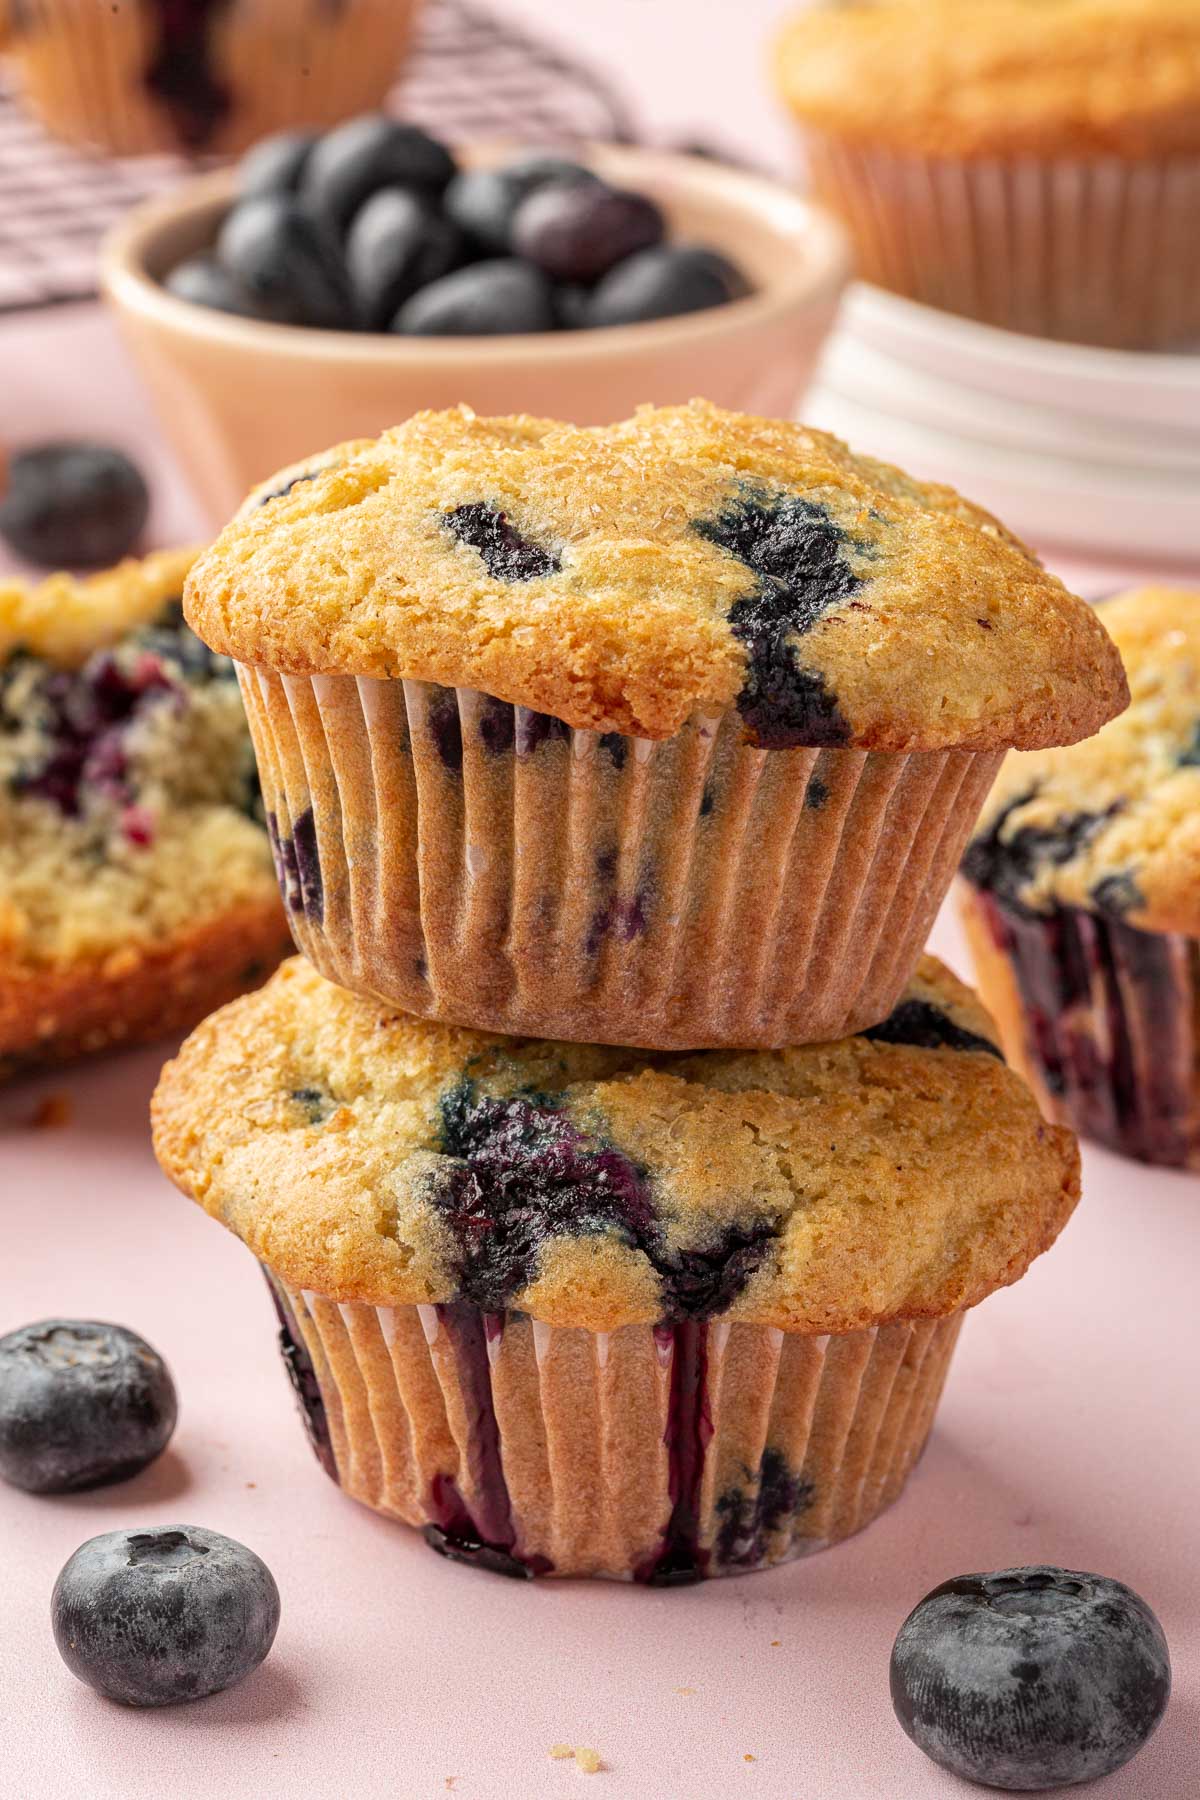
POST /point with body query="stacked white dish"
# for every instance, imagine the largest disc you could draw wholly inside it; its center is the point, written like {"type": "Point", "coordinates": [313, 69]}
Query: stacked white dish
{"type": "Point", "coordinates": [1095, 450]}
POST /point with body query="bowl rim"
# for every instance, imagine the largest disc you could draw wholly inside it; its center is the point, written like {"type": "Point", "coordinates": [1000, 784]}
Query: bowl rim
{"type": "Point", "coordinates": [816, 273]}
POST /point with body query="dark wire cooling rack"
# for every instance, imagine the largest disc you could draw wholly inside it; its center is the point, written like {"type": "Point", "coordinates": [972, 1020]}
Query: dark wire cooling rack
{"type": "Point", "coordinates": [470, 74]}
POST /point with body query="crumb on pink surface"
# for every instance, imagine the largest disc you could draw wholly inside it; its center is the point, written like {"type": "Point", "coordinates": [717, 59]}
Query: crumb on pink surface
{"type": "Point", "coordinates": [587, 1760]}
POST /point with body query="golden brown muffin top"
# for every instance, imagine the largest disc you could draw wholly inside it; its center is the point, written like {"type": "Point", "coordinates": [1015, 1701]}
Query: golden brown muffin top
{"type": "Point", "coordinates": [999, 77]}
{"type": "Point", "coordinates": [625, 577]}
{"type": "Point", "coordinates": [1112, 825]}
{"type": "Point", "coordinates": [366, 1155]}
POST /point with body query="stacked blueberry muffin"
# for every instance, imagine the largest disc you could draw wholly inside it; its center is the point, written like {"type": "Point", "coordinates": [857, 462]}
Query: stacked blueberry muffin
{"type": "Point", "coordinates": [653, 747]}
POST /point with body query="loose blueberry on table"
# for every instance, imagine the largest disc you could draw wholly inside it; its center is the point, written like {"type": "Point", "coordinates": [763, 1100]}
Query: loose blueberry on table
{"type": "Point", "coordinates": [372, 227]}
{"type": "Point", "coordinates": [1032, 1678]}
{"type": "Point", "coordinates": [165, 1614]}
{"type": "Point", "coordinates": [82, 1404]}
{"type": "Point", "coordinates": [73, 505]}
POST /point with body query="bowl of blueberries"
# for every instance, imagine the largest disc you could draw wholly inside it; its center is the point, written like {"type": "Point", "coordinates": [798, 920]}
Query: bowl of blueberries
{"type": "Point", "coordinates": [331, 285]}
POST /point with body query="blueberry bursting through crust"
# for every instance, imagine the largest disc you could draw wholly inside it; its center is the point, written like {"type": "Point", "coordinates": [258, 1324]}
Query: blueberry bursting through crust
{"type": "Point", "coordinates": [798, 554]}
{"type": "Point", "coordinates": [524, 1172]}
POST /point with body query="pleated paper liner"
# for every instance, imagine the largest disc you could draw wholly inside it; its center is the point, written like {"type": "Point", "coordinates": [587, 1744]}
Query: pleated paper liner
{"type": "Point", "coordinates": [484, 864]}
{"type": "Point", "coordinates": [112, 77]}
{"type": "Point", "coordinates": [661, 1454]}
{"type": "Point", "coordinates": [1093, 251]}
{"type": "Point", "coordinates": [1102, 1020]}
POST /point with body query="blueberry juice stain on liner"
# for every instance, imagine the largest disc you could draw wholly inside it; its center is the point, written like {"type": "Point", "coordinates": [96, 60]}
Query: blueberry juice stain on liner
{"type": "Point", "coordinates": [1109, 1024]}
{"type": "Point", "coordinates": [680, 1558]}
{"type": "Point", "coordinates": [487, 1537]}
{"type": "Point", "coordinates": [181, 73]}
{"type": "Point", "coordinates": [303, 1377]}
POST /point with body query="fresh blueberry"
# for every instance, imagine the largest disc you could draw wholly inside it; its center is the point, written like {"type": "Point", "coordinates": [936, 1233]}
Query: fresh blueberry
{"type": "Point", "coordinates": [170, 1613]}
{"type": "Point", "coordinates": [396, 245]}
{"type": "Point", "coordinates": [1032, 1678]}
{"type": "Point", "coordinates": [577, 230]}
{"type": "Point", "coordinates": [661, 282]}
{"type": "Point", "coordinates": [485, 300]}
{"type": "Point", "coordinates": [286, 262]}
{"type": "Point", "coordinates": [81, 1404]}
{"type": "Point", "coordinates": [203, 282]}
{"type": "Point", "coordinates": [570, 306]}
{"type": "Point", "coordinates": [73, 505]}
{"type": "Point", "coordinates": [275, 164]}
{"type": "Point", "coordinates": [482, 202]}
{"type": "Point", "coordinates": [350, 164]}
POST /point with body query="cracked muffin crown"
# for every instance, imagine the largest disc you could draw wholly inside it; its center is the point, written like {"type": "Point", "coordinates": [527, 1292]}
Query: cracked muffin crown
{"type": "Point", "coordinates": [624, 578]}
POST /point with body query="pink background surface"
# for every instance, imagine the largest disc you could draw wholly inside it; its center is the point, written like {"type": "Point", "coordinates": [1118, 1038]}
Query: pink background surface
{"type": "Point", "coordinates": [1067, 1435]}
{"type": "Point", "coordinates": [1068, 1432]}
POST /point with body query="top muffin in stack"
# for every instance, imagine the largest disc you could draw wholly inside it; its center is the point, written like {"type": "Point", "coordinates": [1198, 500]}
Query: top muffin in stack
{"type": "Point", "coordinates": [667, 733]}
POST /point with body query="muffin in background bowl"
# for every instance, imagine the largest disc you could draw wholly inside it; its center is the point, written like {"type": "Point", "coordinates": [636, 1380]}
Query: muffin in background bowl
{"type": "Point", "coordinates": [1032, 165]}
{"type": "Point", "coordinates": [1081, 898]}
{"type": "Point", "coordinates": [206, 76]}
{"type": "Point", "coordinates": [590, 1311]}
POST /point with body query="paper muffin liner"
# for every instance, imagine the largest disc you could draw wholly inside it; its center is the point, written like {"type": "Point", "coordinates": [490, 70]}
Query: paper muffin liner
{"type": "Point", "coordinates": [485, 864]}
{"type": "Point", "coordinates": [658, 1454]}
{"type": "Point", "coordinates": [97, 75]}
{"type": "Point", "coordinates": [1095, 251]}
{"type": "Point", "coordinates": [1103, 1021]}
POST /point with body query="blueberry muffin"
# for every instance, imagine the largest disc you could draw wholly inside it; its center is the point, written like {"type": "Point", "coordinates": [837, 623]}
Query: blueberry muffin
{"type": "Point", "coordinates": [136, 889]}
{"type": "Point", "coordinates": [668, 732]}
{"type": "Point", "coordinates": [202, 75]}
{"type": "Point", "coordinates": [1033, 165]}
{"type": "Point", "coordinates": [586, 1311]}
{"type": "Point", "coordinates": [1081, 895]}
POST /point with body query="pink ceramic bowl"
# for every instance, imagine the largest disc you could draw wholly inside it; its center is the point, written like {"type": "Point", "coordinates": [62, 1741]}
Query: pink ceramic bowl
{"type": "Point", "coordinates": [240, 399]}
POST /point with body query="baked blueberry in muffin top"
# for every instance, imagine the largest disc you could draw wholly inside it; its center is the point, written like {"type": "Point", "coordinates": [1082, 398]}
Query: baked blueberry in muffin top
{"type": "Point", "coordinates": [1112, 825]}
{"type": "Point", "coordinates": [624, 578]}
{"type": "Point", "coordinates": [904, 1173]}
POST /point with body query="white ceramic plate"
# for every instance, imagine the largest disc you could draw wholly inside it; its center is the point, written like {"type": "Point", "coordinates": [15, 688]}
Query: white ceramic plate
{"type": "Point", "coordinates": [872, 378]}
{"type": "Point", "coordinates": [1129, 511]}
{"type": "Point", "coordinates": [1127, 387]}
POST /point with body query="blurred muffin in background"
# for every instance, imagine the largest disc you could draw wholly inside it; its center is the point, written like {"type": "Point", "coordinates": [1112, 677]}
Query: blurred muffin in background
{"type": "Point", "coordinates": [201, 75]}
{"type": "Point", "coordinates": [1081, 898]}
{"type": "Point", "coordinates": [1034, 166]}
{"type": "Point", "coordinates": [136, 887]}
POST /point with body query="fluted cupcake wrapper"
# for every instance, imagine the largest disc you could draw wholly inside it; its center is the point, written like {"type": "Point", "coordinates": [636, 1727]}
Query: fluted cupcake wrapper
{"type": "Point", "coordinates": [1103, 1021]}
{"type": "Point", "coordinates": [660, 1454]}
{"type": "Point", "coordinates": [1098, 250]}
{"type": "Point", "coordinates": [485, 864]}
{"type": "Point", "coordinates": [104, 75]}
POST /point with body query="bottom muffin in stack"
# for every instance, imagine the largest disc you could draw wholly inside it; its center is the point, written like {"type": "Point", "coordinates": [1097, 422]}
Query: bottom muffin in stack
{"type": "Point", "coordinates": [578, 1310]}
